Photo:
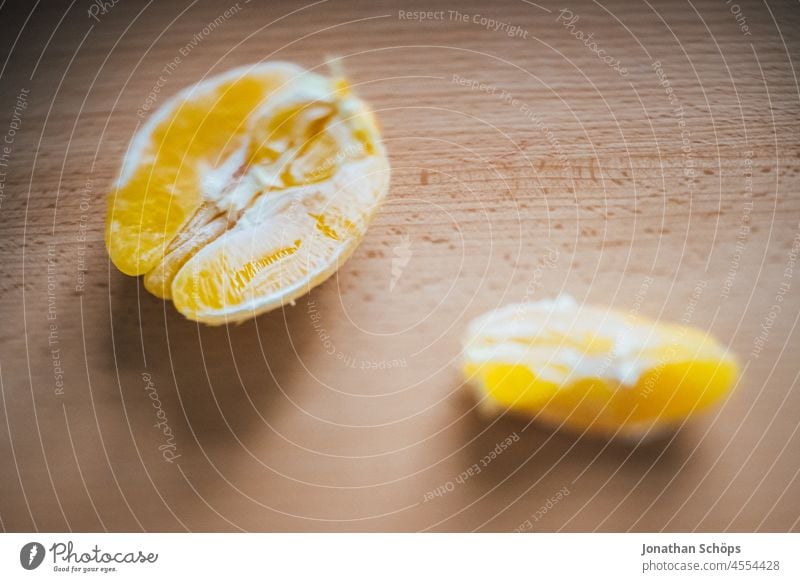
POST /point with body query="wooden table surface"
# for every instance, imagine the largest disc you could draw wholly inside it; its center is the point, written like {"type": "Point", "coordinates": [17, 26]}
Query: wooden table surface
{"type": "Point", "coordinates": [636, 154]}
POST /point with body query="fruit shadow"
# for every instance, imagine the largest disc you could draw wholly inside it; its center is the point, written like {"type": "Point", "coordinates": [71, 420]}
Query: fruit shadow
{"type": "Point", "coordinates": [536, 454]}
{"type": "Point", "coordinates": [223, 381]}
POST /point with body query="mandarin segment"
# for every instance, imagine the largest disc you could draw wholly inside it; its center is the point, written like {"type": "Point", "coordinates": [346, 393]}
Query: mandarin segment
{"type": "Point", "coordinates": [593, 369]}
{"type": "Point", "coordinates": [281, 247]}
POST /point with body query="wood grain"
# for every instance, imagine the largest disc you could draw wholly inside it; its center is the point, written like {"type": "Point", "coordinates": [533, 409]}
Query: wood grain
{"type": "Point", "coordinates": [344, 412]}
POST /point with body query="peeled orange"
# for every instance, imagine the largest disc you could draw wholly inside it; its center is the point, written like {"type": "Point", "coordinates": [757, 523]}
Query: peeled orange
{"type": "Point", "coordinates": [246, 190]}
{"type": "Point", "coordinates": [593, 369]}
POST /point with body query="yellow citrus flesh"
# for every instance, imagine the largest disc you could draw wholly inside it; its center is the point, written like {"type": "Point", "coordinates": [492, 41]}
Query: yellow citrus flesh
{"type": "Point", "coordinates": [246, 190]}
{"type": "Point", "coordinates": [592, 369]}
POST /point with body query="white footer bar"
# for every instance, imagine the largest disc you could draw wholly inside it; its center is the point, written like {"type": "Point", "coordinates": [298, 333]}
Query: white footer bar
{"type": "Point", "coordinates": [401, 557]}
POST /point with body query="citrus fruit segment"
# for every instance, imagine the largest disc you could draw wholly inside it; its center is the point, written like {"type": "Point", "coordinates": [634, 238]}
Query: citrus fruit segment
{"type": "Point", "coordinates": [593, 369]}
{"type": "Point", "coordinates": [281, 247]}
{"type": "Point", "coordinates": [246, 190]}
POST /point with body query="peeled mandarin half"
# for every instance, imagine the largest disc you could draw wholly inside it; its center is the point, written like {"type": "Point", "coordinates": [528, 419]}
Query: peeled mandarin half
{"type": "Point", "coordinates": [246, 190]}
{"type": "Point", "coordinates": [593, 369]}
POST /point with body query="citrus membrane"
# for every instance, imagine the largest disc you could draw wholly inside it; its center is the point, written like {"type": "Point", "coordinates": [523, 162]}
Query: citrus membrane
{"type": "Point", "coordinates": [246, 190]}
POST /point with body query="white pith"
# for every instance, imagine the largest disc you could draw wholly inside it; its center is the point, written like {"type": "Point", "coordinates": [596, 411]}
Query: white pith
{"type": "Point", "coordinates": [538, 335]}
